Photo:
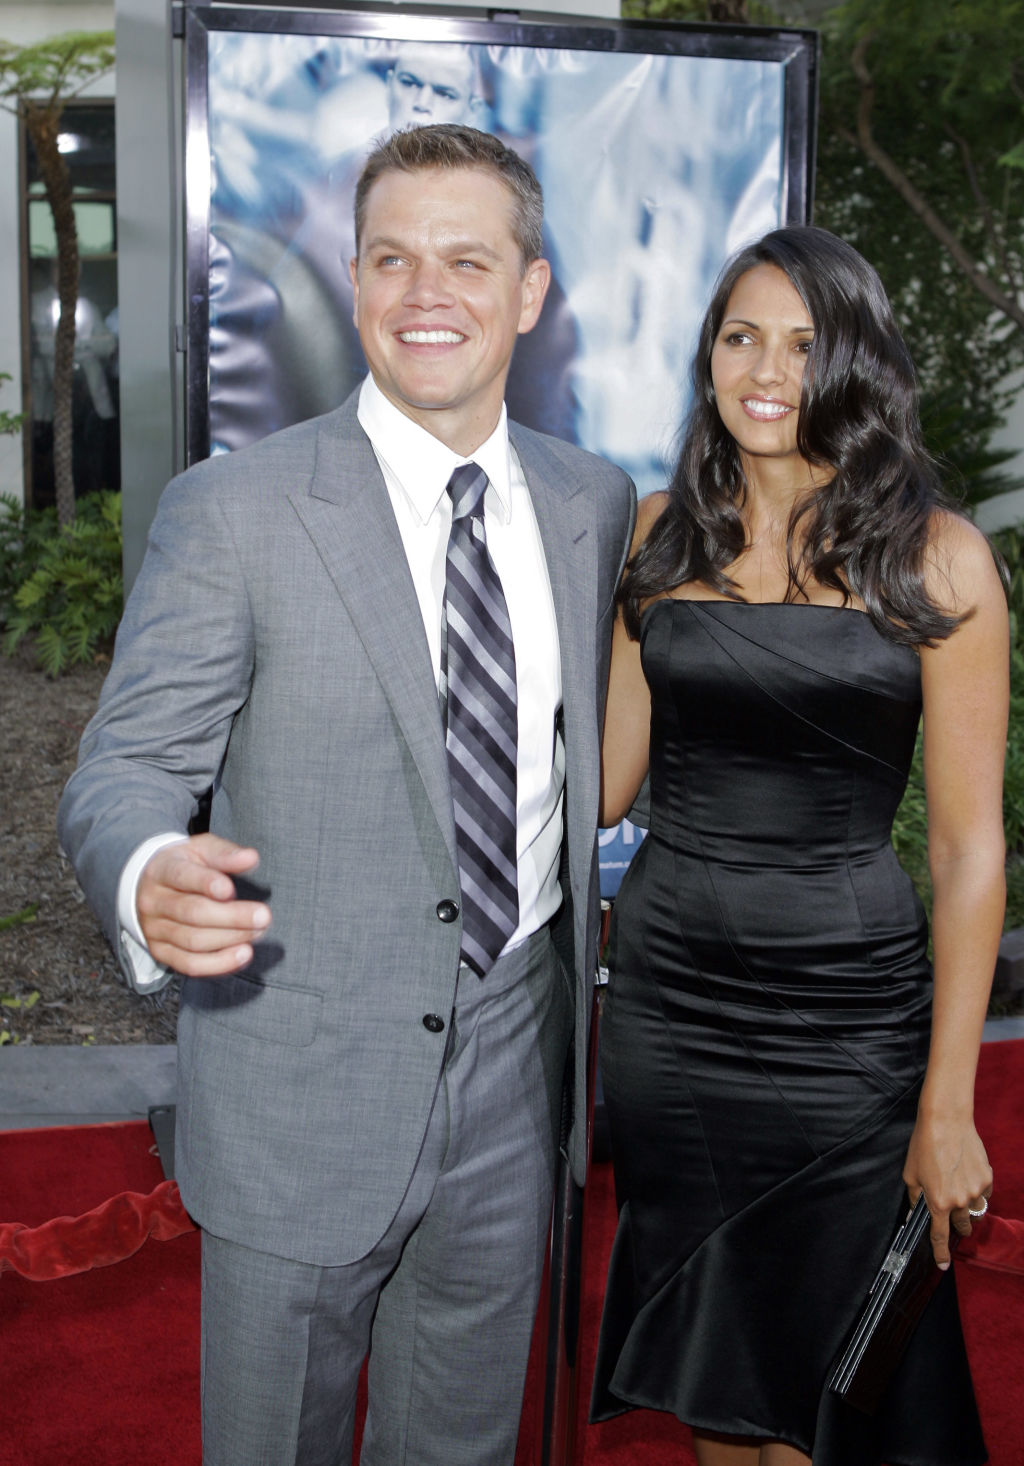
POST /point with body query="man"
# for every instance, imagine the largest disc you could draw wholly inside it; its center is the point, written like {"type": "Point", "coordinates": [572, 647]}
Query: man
{"type": "Point", "coordinates": [430, 83]}
{"type": "Point", "coordinates": [282, 341]}
{"type": "Point", "coordinates": [370, 1088]}
{"type": "Point", "coordinates": [282, 232]}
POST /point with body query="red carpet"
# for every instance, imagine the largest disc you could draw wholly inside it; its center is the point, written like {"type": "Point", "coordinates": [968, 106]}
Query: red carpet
{"type": "Point", "coordinates": [101, 1369]}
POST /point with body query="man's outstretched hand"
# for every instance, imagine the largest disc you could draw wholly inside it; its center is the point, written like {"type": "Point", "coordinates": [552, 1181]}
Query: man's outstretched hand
{"type": "Point", "coordinates": [187, 908]}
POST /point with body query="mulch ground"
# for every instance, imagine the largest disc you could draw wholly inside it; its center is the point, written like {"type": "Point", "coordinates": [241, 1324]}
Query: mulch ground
{"type": "Point", "coordinates": [59, 980]}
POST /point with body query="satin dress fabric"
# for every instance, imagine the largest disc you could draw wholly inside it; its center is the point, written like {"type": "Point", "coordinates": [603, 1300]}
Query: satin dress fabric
{"type": "Point", "coordinates": [764, 1038]}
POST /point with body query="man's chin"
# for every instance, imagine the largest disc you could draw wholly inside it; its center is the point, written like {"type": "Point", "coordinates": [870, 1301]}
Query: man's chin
{"type": "Point", "coordinates": [423, 400]}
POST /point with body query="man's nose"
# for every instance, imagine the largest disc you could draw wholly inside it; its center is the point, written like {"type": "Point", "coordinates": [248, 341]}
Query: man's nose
{"type": "Point", "coordinates": [428, 287]}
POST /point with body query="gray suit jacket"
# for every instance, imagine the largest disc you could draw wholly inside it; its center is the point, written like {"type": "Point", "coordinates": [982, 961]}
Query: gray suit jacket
{"type": "Point", "coordinates": [273, 647]}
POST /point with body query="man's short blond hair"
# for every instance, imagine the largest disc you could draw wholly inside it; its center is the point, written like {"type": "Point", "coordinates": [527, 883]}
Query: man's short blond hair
{"type": "Point", "coordinates": [453, 145]}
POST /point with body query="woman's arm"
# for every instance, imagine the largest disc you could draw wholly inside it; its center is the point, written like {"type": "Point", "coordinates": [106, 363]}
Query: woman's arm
{"type": "Point", "coordinates": [965, 686]}
{"type": "Point", "coordinates": [625, 745]}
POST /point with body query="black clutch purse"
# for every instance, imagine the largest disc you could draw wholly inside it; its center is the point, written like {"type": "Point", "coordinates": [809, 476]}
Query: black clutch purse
{"type": "Point", "coordinates": [906, 1280]}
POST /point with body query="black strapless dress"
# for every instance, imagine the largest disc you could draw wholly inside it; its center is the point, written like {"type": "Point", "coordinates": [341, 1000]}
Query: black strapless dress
{"type": "Point", "coordinates": [764, 1038]}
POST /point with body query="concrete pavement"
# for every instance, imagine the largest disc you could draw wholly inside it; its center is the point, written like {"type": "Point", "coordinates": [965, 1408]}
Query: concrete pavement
{"type": "Point", "coordinates": [56, 1084]}
{"type": "Point", "coordinates": [61, 1084]}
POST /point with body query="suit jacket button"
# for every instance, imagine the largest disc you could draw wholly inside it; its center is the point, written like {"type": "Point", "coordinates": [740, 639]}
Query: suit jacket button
{"type": "Point", "coordinates": [447, 910]}
{"type": "Point", "coordinates": [433, 1022]}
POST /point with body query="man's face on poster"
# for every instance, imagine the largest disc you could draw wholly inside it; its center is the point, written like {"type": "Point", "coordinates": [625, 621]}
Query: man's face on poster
{"type": "Point", "coordinates": [430, 84]}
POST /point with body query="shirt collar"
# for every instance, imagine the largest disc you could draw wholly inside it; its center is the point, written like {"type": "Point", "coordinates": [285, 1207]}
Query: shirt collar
{"type": "Point", "coordinates": [421, 463]}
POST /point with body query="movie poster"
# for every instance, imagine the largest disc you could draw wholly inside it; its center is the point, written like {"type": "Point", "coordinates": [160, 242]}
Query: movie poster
{"type": "Point", "coordinates": [655, 165]}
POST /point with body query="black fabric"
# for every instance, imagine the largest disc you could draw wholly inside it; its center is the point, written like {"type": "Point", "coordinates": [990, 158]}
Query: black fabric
{"type": "Point", "coordinates": [764, 1038]}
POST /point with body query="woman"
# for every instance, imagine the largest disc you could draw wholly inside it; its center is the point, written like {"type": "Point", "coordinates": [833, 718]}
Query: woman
{"type": "Point", "coordinates": [780, 1069]}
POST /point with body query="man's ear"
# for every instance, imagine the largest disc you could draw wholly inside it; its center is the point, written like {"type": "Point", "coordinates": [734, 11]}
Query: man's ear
{"type": "Point", "coordinates": [353, 273]}
{"type": "Point", "coordinates": [535, 286]}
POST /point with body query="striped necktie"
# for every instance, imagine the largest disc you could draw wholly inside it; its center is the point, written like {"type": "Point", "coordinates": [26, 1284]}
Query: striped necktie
{"type": "Point", "coordinates": [478, 699]}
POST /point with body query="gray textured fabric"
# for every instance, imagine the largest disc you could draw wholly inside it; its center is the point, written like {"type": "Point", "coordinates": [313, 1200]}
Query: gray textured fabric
{"type": "Point", "coordinates": [273, 647]}
{"type": "Point", "coordinates": [273, 644]}
{"type": "Point", "coordinates": [460, 1267]}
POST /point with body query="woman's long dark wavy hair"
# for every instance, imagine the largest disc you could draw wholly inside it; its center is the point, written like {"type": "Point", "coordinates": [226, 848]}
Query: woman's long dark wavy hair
{"type": "Point", "coordinates": [863, 533]}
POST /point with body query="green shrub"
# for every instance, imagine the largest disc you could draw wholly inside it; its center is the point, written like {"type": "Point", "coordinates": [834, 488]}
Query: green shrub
{"type": "Point", "coordinates": [10, 422]}
{"type": "Point", "coordinates": [24, 537]}
{"type": "Point", "coordinates": [61, 586]}
{"type": "Point", "coordinates": [1014, 893]}
{"type": "Point", "coordinates": [12, 550]}
{"type": "Point", "coordinates": [1010, 544]}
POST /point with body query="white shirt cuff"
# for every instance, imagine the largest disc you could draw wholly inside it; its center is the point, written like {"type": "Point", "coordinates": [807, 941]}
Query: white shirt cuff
{"type": "Point", "coordinates": [147, 975]}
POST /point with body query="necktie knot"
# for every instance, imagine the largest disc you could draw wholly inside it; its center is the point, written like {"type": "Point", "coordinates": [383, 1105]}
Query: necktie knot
{"type": "Point", "coordinates": [466, 487]}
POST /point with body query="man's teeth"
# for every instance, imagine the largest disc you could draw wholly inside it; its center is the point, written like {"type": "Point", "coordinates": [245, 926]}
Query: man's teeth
{"type": "Point", "coordinates": [431, 338]}
{"type": "Point", "coordinates": [767, 410]}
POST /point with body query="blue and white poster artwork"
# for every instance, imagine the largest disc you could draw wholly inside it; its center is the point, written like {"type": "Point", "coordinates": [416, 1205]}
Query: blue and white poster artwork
{"type": "Point", "coordinates": [654, 168]}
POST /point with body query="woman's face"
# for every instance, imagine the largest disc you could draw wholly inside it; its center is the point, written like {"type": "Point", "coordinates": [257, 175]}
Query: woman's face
{"type": "Point", "coordinates": [757, 363]}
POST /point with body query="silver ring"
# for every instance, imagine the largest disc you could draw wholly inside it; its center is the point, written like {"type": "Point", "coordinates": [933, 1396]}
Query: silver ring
{"type": "Point", "coordinates": [981, 1210]}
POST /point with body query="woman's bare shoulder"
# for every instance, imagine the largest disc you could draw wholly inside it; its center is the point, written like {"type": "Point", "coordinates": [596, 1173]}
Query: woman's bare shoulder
{"type": "Point", "coordinates": [648, 511]}
{"type": "Point", "coordinates": [960, 569]}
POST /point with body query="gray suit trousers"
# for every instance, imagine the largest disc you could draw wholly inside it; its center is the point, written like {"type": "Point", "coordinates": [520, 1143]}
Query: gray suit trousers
{"type": "Point", "coordinates": [445, 1301]}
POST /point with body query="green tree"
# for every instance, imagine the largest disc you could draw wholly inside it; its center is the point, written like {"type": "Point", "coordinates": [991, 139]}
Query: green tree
{"type": "Point", "coordinates": [35, 83]}
{"type": "Point", "coordinates": [922, 119]}
{"type": "Point", "coordinates": [949, 137]}
{"type": "Point", "coordinates": [921, 167]}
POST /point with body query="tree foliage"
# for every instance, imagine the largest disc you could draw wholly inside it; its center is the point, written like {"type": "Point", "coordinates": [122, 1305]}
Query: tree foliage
{"type": "Point", "coordinates": [921, 167]}
{"type": "Point", "coordinates": [35, 83]}
{"type": "Point", "coordinates": [721, 12]}
{"type": "Point", "coordinates": [922, 116]}
{"type": "Point", "coordinates": [10, 422]}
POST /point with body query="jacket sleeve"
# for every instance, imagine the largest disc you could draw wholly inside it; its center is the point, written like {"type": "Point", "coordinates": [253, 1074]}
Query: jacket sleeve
{"type": "Point", "coordinates": [182, 668]}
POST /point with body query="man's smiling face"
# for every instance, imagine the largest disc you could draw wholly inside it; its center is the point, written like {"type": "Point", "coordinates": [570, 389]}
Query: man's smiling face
{"type": "Point", "coordinates": [441, 293]}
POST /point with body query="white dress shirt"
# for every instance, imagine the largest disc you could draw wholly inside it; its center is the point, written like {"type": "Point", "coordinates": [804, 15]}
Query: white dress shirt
{"type": "Point", "coordinates": [416, 467]}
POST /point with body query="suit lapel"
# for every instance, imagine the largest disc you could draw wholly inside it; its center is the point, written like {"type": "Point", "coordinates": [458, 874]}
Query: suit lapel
{"type": "Point", "coordinates": [348, 516]}
{"type": "Point", "coordinates": [565, 519]}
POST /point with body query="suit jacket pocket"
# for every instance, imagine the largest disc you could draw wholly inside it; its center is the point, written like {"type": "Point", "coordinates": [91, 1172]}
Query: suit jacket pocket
{"type": "Point", "coordinates": [252, 1006]}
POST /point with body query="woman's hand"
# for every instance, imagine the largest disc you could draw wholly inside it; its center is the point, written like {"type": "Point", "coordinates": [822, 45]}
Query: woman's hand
{"type": "Point", "coordinates": [946, 1160]}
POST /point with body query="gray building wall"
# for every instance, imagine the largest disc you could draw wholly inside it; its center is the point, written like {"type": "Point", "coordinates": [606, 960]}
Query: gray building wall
{"type": "Point", "coordinates": [149, 284]}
